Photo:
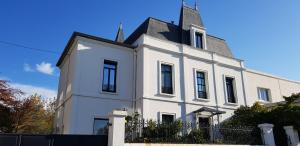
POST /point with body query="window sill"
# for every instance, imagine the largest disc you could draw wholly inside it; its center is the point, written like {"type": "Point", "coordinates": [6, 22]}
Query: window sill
{"type": "Point", "coordinates": [202, 99]}
{"type": "Point", "coordinates": [166, 95]}
{"type": "Point", "coordinates": [231, 104]}
{"type": "Point", "coordinates": [264, 102]}
{"type": "Point", "coordinates": [110, 93]}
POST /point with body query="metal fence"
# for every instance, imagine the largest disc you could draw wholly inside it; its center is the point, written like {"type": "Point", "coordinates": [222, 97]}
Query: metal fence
{"type": "Point", "coordinates": [52, 140]}
{"type": "Point", "coordinates": [189, 133]}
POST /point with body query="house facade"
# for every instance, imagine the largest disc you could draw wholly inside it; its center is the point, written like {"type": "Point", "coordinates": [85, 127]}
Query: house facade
{"type": "Point", "coordinates": [163, 71]}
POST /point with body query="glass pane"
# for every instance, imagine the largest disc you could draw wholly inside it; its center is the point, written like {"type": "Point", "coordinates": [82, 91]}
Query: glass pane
{"type": "Point", "coordinates": [112, 80]}
{"type": "Point", "coordinates": [198, 40]}
{"type": "Point", "coordinates": [166, 119]}
{"type": "Point", "coordinates": [105, 80]}
{"type": "Point", "coordinates": [230, 90]}
{"type": "Point", "coordinates": [166, 79]}
{"type": "Point", "coordinates": [263, 93]}
{"type": "Point", "coordinates": [100, 126]}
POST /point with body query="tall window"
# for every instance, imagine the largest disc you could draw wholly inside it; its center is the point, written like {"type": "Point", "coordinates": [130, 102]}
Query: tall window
{"type": "Point", "coordinates": [201, 87]}
{"type": "Point", "coordinates": [198, 39]}
{"type": "Point", "coordinates": [167, 119]}
{"type": "Point", "coordinates": [109, 76]}
{"type": "Point", "coordinates": [230, 90]}
{"type": "Point", "coordinates": [166, 79]}
{"type": "Point", "coordinates": [263, 94]}
{"type": "Point", "coordinates": [100, 126]}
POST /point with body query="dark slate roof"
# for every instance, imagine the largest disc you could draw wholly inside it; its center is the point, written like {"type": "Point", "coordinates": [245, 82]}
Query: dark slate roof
{"type": "Point", "coordinates": [120, 34]}
{"type": "Point", "coordinates": [171, 32]}
{"type": "Point", "coordinates": [76, 34]}
{"type": "Point", "coordinates": [189, 16]}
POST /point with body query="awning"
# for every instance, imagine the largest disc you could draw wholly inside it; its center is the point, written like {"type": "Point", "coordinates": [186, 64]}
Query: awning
{"type": "Point", "coordinates": [208, 111]}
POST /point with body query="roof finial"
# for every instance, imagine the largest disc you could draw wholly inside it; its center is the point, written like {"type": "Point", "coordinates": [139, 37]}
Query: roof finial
{"type": "Point", "coordinates": [196, 5]}
{"type": "Point", "coordinates": [183, 3]}
{"type": "Point", "coordinates": [120, 34]}
{"type": "Point", "coordinates": [120, 25]}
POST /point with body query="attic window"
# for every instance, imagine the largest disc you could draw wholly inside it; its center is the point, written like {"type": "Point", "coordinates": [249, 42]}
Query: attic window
{"type": "Point", "coordinates": [199, 40]}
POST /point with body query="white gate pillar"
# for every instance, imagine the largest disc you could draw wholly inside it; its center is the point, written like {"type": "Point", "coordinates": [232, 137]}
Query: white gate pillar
{"type": "Point", "coordinates": [292, 135]}
{"type": "Point", "coordinates": [267, 134]}
{"type": "Point", "coordinates": [116, 130]}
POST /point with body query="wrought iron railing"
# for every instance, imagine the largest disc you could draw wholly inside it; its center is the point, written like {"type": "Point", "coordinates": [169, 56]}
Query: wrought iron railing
{"type": "Point", "coordinates": [140, 131]}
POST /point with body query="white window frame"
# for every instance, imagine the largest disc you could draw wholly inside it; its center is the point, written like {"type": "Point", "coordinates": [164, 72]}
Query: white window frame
{"type": "Point", "coordinates": [166, 113]}
{"type": "Point", "coordinates": [234, 90]}
{"type": "Point", "coordinates": [117, 76]}
{"type": "Point", "coordinates": [92, 119]}
{"type": "Point", "coordinates": [196, 29]}
{"type": "Point", "coordinates": [206, 85]}
{"type": "Point", "coordinates": [269, 95]}
{"type": "Point", "coordinates": [173, 78]}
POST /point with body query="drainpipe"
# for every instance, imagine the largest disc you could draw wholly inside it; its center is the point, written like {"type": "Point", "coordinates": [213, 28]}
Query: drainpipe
{"type": "Point", "coordinates": [215, 83]}
{"type": "Point", "coordinates": [243, 81]}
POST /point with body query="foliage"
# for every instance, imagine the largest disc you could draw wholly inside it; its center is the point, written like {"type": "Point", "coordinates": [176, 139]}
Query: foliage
{"type": "Point", "coordinates": [195, 136]}
{"type": "Point", "coordinates": [29, 115]}
{"type": "Point", "coordinates": [279, 115]}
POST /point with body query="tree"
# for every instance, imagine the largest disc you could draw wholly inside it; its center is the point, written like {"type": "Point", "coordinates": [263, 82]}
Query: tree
{"type": "Point", "coordinates": [8, 102]}
{"type": "Point", "coordinates": [34, 117]}
{"type": "Point", "coordinates": [30, 115]}
{"type": "Point", "coordinates": [280, 115]}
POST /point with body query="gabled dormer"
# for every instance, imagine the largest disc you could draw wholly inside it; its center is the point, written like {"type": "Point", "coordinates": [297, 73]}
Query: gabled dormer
{"type": "Point", "coordinates": [193, 31]}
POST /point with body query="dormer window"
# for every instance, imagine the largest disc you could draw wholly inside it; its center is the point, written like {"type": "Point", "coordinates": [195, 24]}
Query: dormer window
{"type": "Point", "coordinates": [199, 40]}
{"type": "Point", "coordinates": [198, 37]}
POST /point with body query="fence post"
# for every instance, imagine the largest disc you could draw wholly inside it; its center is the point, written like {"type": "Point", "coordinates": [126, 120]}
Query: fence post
{"type": "Point", "coordinates": [267, 134]}
{"type": "Point", "coordinates": [292, 135]}
{"type": "Point", "coordinates": [116, 130]}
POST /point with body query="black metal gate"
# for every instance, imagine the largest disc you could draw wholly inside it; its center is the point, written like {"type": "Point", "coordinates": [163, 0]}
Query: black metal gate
{"type": "Point", "coordinates": [52, 140]}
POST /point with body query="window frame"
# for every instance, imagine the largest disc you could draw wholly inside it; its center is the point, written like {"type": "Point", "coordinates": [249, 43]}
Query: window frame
{"type": "Point", "coordinates": [160, 78]}
{"type": "Point", "coordinates": [206, 85]}
{"type": "Point", "coordinates": [234, 90]}
{"type": "Point", "coordinates": [116, 76]}
{"type": "Point", "coordinates": [166, 113]}
{"type": "Point", "coordinates": [196, 40]}
{"type": "Point", "coordinates": [98, 118]}
{"type": "Point", "coordinates": [268, 94]}
{"type": "Point", "coordinates": [201, 30]}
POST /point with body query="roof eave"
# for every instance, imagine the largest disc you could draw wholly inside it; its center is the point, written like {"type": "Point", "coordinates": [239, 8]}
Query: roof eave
{"type": "Point", "coordinates": [76, 34]}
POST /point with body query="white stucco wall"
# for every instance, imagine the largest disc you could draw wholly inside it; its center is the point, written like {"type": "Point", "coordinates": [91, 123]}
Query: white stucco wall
{"type": "Point", "coordinates": [185, 61]}
{"type": "Point", "coordinates": [138, 82]}
{"type": "Point", "coordinates": [81, 81]}
{"type": "Point", "coordinates": [278, 87]}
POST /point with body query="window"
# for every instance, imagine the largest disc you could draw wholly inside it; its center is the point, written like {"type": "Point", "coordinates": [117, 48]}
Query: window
{"type": "Point", "coordinates": [167, 119]}
{"type": "Point", "coordinates": [230, 90]}
{"type": "Point", "coordinates": [198, 39]}
{"type": "Point", "coordinates": [109, 76]}
{"type": "Point", "coordinates": [166, 79]}
{"type": "Point", "coordinates": [100, 126]}
{"type": "Point", "coordinates": [263, 94]}
{"type": "Point", "coordinates": [201, 87]}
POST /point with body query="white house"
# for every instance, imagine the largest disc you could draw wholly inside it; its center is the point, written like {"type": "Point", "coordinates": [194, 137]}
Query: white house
{"type": "Point", "coordinates": [163, 71]}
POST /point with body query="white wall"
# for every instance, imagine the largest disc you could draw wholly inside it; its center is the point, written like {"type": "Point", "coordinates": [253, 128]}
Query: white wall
{"type": "Point", "coordinates": [84, 87]}
{"type": "Point", "coordinates": [278, 87]}
{"type": "Point", "coordinates": [185, 60]}
{"type": "Point", "coordinates": [80, 84]}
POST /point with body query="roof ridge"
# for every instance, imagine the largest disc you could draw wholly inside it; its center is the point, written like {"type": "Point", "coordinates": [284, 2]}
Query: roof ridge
{"type": "Point", "coordinates": [163, 21]}
{"type": "Point", "coordinates": [215, 37]}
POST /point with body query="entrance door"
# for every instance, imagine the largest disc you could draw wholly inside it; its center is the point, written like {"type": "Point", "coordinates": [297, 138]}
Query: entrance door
{"type": "Point", "coordinates": [204, 125]}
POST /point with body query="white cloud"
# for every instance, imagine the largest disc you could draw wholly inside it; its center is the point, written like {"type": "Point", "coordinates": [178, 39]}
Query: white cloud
{"type": "Point", "coordinates": [29, 90]}
{"type": "Point", "coordinates": [27, 68]}
{"type": "Point", "coordinates": [4, 78]}
{"type": "Point", "coordinates": [45, 68]}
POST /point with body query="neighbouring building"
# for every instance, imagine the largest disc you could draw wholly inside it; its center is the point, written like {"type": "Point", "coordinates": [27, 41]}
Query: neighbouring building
{"type": "Point", "coordinates": [163, 71]}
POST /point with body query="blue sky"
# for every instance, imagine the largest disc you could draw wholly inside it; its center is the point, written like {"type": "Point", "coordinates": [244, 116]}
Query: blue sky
{"type": "Point", "coordinates": [264, 33]}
